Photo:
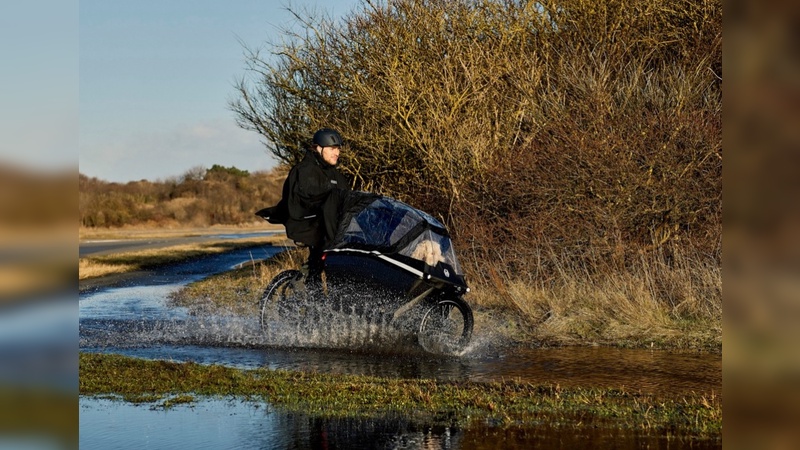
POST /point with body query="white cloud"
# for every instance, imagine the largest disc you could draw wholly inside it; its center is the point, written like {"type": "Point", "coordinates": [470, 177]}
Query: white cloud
{"type": "Point", "coordinates": [172, 151]}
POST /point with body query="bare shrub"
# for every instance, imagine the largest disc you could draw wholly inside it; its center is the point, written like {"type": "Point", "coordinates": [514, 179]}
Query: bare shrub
{"type": "Point", "coordinates": [435, 95]}
{"type": "Point", "coordinates": [606, 116]}
{"type": "Point", "coordinates": [558, 140]}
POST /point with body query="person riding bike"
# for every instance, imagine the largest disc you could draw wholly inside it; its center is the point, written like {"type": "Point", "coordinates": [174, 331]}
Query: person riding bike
{"type": "Point", "coordinates": [310, 200]}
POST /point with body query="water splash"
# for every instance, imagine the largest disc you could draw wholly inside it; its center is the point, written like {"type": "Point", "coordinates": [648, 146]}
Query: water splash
{"type": "Point", "coordinates": [137, 321]}
{"type": "Point", "coordinates": [141, 316]}
{"type": "Point", "coordinates": [326, 326]}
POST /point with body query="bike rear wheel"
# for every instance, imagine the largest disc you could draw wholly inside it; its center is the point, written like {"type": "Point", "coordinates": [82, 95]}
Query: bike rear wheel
{"type": "Point", "coordinates": [276, 302]}
{"type": "Point", "coordinates": [446, 326]}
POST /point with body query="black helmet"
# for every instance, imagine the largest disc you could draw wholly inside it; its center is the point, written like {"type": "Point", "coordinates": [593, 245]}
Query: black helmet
{"type": "Point", "coordinates": [327, 137]}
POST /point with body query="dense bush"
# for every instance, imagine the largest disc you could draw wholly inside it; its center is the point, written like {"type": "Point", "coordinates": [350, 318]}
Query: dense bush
{"type": "Point", "coordinates": [573, 147]}
{"type": "Point", "coordinates": [577, 124]}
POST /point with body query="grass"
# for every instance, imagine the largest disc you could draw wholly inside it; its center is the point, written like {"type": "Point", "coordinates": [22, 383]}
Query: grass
{"type": "Point", "coordinates": [652, 304]}
{"type": "Point", "coordinates": [236, 291]}
{"type": "Point", "coordinates": [655, 301]}
{"type": "Point", "coordinates": [428, 401]}
{"type": "Point", "coordinates": [102, 265]}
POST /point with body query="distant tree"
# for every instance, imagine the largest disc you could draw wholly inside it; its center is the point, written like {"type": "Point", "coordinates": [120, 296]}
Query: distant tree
{"type": "Point", "coordinates": [196, 173]}
{"type": "Point", "coordinates": [222, 195]}
{"type": "Point", "coordinates": [220, 172]}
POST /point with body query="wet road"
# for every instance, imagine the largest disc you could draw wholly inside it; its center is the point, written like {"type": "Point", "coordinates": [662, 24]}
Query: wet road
{"type": "Point", "coordinates": [106, 246]}
{"type": "Point", "coordinates": [133, 317]}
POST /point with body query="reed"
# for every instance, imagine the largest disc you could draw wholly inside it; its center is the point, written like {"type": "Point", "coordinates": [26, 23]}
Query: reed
{"type": "Point", "coordinates": [658, 299]}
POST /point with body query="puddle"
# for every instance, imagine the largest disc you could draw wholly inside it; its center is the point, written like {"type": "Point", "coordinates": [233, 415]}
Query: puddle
{"type": "Point", "coordinates": [233, 424]}
{"type": "Point", "coordinates": [132, 318]}
{"type": "Point", "coordinates": [207, 424]}
{"type": "Point", "coordinates": [216, 424]}
{"type": "Point", "coordinates": [136, 321]}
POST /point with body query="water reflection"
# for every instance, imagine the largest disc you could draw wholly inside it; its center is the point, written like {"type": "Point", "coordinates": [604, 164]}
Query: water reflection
{"type": "Point", "coordinates": [228, 424]}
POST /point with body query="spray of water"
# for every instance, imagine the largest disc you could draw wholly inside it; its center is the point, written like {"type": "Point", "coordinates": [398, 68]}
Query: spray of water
{"type": "Point", "coordinates": [353, 320]}
{"type": "Point", "coordinates": [144, 319]}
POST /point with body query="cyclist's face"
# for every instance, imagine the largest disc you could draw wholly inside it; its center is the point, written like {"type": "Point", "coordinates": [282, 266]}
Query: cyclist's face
{"type": "Point", "coordinates": [329, 154]}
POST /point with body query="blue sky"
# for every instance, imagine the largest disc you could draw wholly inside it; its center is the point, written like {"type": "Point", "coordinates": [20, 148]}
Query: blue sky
{"type": "Point", "coordinates": [134, 89]}
{"type": "Point", "coordinates": [156, 76]}
{"type": "Point", "coordinates": [39, 84]}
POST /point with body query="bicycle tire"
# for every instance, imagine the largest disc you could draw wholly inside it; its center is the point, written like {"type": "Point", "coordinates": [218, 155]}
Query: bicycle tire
{"type": "Point", "coordinates": [273, 303]}
{"type": "Point", "coordinates": [446, 326]}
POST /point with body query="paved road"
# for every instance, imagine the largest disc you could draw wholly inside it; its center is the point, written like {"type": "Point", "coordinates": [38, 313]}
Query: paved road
{"type": "Point", "coordinates": [101, 247]}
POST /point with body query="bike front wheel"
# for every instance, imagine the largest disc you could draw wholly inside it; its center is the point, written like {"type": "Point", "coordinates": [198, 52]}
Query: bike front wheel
{"type": "Point", "coordinates": [446, 327]}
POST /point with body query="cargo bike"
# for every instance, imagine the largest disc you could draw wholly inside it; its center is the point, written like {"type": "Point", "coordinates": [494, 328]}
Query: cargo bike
{"type": "Point", "coordinates": [387, 259]}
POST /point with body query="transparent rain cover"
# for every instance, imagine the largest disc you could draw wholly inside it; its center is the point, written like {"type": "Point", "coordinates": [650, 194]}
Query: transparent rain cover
{"type": "Point", "coordinates": [432, 248]}
{"type": "Point", "coordinates": [385, 222]}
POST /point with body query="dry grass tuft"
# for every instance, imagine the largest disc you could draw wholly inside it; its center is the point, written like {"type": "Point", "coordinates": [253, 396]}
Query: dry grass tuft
{"type": "Point", "coordinates": [90, 268]}
{"type": "Point", "coordinates": [673, 302]}
{"type": "Point", "coordinates": [238, 291]}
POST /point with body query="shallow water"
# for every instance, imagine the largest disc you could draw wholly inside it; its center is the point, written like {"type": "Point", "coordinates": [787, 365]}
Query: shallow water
{"type": "Point", "coordinates": [133, 319]}
{"type": "Point", "coordinates": [232, 424]}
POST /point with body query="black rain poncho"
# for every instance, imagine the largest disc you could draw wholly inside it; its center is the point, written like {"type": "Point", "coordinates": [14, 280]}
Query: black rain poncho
{"type": "Point", "coordinates": [310, 201]}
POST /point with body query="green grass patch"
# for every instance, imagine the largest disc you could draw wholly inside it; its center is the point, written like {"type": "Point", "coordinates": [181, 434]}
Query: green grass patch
{"type": "Point", "coordinates": [504, 403]}
{"type": "Point", "coordinates": [236, 291]}
{"type": "Point", "coordinates": [38, 412]}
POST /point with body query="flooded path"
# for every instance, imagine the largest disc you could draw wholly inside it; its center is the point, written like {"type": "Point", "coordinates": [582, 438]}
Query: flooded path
{"type": "Point", "coordinates": [133, 318]}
